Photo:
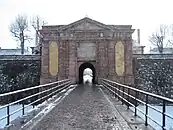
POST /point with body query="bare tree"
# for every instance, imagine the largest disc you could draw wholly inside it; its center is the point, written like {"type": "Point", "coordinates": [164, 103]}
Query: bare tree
{"type": "Point", "coordinates": [19, 29]}
{"type": "Point", "coordinates": [170, 35]}
{"type": "Point", "coordinates": [37, 24]}
{"type": "Point", "coordinates": [159, 37]}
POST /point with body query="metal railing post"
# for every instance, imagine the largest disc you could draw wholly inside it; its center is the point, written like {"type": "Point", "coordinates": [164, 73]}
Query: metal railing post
{"type": "Point", "coordinates": [23, 102]}
{"type": "Point", "coordinates": [123, 96]}
{"type": "Point", "coordinates": [8, 115]}
{"type": "Point", "coordinates": [146, 111]}
{"type": "Point", "coordinates": [118, 92]}
{"type": "Point", "coordinates": [135, 103]}
{"type": "Point", "coordinates": [128, 98]}
{"type": "Point", "coordinates": [23, 108]}
{"type": "Point", "coordinates": [133, 94]}
{"type": "Point", "coordinates": [163, 115]}
{"type": "Point", "coordinates": [61, 86]}
{"type": "Point", "coordinates": [115, 90]}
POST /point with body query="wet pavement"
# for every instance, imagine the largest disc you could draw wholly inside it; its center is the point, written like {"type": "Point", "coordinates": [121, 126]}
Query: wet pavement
{"type": "Point", "coordinates": [85, 108]}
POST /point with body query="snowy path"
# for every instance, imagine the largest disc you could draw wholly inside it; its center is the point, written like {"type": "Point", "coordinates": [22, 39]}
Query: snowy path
{"type": "Point", "coordinates": [85, 108]}
{"type": "Point", "coordinates": [30, 111]}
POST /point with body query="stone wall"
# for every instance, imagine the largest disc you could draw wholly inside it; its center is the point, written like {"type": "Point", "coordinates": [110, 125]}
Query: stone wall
{"type": "Point", "coordinates": [154, 75]}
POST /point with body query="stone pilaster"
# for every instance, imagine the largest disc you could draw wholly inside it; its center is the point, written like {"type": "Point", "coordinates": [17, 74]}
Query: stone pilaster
{"type": "Point", "coordinates": [61, 74]}
{"type": "Point", "coordinates": [72, 62]}
{"type": "Point", "coordinates": [44, 63]}
{"type": "Point", "coordinates": [128, 63]}
{"type": "Point", "coordinates": [111, 60]}
{"type": "Point", "coordinates": [102, 59]}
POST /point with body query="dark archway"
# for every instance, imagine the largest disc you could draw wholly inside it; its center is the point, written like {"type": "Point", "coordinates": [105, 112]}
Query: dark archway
{"type": "Point", "coordinates": [81, 70]}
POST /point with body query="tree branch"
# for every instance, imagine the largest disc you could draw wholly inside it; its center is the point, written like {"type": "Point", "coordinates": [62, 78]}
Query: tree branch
{"type": "Point", "coordinates": [18, 29]}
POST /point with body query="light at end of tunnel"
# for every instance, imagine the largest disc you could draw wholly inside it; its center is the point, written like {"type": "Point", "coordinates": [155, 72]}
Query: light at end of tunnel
{"type": "Point", "coordinates": [87, 79]}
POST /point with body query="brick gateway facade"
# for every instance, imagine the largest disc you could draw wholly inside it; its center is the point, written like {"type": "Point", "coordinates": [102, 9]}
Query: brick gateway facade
{"type": "Point", "coordinates": [68, 49]}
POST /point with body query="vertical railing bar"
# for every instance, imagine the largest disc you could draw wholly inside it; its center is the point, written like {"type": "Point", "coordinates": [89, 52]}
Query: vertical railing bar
{"type": "Point", "coordinates": [128, 98]}
{"type": "Point", "coordinates": [118, 92]}
{"type": "Point", "coordinates": [163, 115]}
{"type": "Point", "coordinates": [23, 108]}
{"type": "Point", "coordinates": [135, 103]}
{"type": "Point", "coordinates": [123, 96]}
{"type": "Point", "coordinates": [8, 115]}
{"type": "Point", "coordinates": [41, 94]}
{"type": "Point", "coordinates": [136, 98]}
{"type": "Point", "coordinates": [115, 90]}
{"type": "Point", "coordinates": [146, 111]}
{"type": "Point", "coordinates": [121, 93]}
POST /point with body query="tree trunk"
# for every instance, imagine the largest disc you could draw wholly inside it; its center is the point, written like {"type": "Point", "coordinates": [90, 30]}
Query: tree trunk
{"type": "Point", "coordinates": [22, 48]}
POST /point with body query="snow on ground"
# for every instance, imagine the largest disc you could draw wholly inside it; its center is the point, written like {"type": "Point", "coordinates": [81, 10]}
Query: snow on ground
{"type": "Point", "coordinates": [49, 107]}
{"type": "Point", "coordinates": [46, 110]}
{"type": "Point", "coordinates": [157, 116]}
{"type": "Point", "coordinates": [13, 108]}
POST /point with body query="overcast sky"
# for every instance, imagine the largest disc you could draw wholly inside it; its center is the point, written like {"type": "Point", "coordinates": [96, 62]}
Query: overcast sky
{"type": "Point", "coordinates": [143, 14]}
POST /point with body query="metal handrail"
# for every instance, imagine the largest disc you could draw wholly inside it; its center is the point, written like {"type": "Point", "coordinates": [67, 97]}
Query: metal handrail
{"type": "Point", "coordinates": [27, 89]}
{"type": "Point", "coordinates": [28, 97]}
{"type": "Point", "coordinates": [141, 91]}
{"type": "Point", "coordinates": [56, 87]}
{"type": "Point", "coordinates": [119, 90]}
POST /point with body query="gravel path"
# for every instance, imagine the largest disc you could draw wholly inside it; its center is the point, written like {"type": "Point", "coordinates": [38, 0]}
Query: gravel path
{"type": "Point", "coordinates": [85, 108]}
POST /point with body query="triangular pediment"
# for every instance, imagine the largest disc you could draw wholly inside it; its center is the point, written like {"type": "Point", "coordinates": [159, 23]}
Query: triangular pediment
{"type": "Point", "coordinates": [86, 24]}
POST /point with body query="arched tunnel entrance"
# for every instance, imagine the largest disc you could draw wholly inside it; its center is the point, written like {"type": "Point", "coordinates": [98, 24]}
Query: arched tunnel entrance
{"type": "Point", "coordinates": [81, 71]}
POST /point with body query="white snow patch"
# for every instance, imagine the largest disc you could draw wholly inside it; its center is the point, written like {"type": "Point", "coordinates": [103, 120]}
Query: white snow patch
{"type": "Point", "coordinates": [3, 112]}
{"type": "Point", "coordinates": [75, 85]}
{"type": "Point", "coordinates": [64, 90]}
{"type": "Point", "coordinates": [46, 110]}
{"type": "Point", "coordinates": [68, 91]}
{"type": "Point", "coordinates": [42, 104]}
{"type": "Point", "coordinates": [157, 116]}
{"type": "Point", "coordinates": [35, 108]}
{"type": "Point", "coordinates": [30, 108]}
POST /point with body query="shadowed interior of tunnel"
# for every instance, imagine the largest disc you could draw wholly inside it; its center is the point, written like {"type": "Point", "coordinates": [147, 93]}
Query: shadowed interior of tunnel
{"type": "Point", "coordinates": [81, 71]}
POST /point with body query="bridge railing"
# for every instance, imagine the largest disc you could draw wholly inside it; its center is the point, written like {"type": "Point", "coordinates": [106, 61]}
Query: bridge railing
{"type": "Point", "coordinates": [43, 92]}
{"type": "Point", "coordinates": [126, 93]}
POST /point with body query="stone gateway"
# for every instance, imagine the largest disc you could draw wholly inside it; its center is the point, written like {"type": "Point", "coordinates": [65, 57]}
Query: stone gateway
{"type": "Point", "coordinates": [68, 49]}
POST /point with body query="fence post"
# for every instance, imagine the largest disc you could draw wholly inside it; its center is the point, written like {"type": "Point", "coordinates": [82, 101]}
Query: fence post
{"type": "Point", "coordinates": [114, 89]}
{"type": "Point", "coordinates": [146, 111]}
{"type": "Point", "coordinates": [135, 103]}
{"type": "Point", "coordinates": [118, 92]}
{"type": "Point", "coordinates": [128, 98]}
{"type": "Point", "coordinates": [163, 115]}
{"type": "Point", "coordinates": [8, 115]}
{"type": "Point", "coordinates": [123, 96]}
{"type": "Point", "coordinates": [23, 108]}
